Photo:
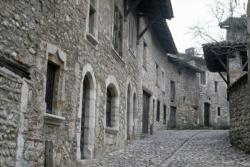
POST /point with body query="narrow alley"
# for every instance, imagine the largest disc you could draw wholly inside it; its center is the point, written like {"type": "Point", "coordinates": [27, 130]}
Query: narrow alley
{"type": "Point", "coordinates": [125, 83]}
{"type": "Point", "coordinates": [189, 148]}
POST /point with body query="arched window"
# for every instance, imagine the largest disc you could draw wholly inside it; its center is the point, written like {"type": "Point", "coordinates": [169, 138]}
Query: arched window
{"type": "Point", "coordinates": [108, 108]}
{"type": "Point", "coordinates": [111, 106]}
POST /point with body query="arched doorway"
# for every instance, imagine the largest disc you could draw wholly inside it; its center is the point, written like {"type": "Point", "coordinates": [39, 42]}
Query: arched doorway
{"type": "Point", "coordinates": [134, 113]}
{"type": "Point", "coordinates": [129, 122]}
{"type": "Point", "coordinates": [85, 118]}
{"type": "Point", "coordinates": [86, 126]}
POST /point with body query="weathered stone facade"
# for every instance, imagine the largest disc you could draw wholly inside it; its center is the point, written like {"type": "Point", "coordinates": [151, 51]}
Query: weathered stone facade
{"type": "Point", "coordinates": [208, 88]}
{"type": "Point", "coordinates": [90, 77]}
{"type": "Point", "coordinates": [240, 116]}
{"type": "Point", "coordinates": [216, 98]}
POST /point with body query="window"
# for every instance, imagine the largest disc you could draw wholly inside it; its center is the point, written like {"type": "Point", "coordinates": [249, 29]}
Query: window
{"type": "Point", "coordinates": [157, 75]}
{"type": "Point", "coordinates": [92, 18]}
{"type": "Point", "coordinates": [154, 106]}
{"type": "Point", "coordinates": [164, 114]}
{"type": "Point", "coordinates": [163, 80]}
{"type": "Point", "coordinates": [50, 85]}
{"type": "Point", "coordinates": [158, 111]}
{"type": "Point", "coordinates": [215, 86]}
{"type": "Point", "coordinates": [112, 107]}
{"type": "Point", "coordinates": [218, 111]}
{"type": "Point", "coordinates": [203, 78]}
{"type": "Point", "coordinates": [117, 31]}
{"type": "Point", "coordinates": [172, 91]}
{"type": "Point", "coordinates": [132, 33]}
{"type": "Point", "coordinates": [144, 58]}
{"type": "Point", "coordinates": [108, 108]}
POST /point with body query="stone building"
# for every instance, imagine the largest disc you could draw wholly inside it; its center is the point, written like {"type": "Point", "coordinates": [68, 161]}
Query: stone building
{"type": "Point", "coordinates": [73, 77]}
{"type": "Point", "coordinates": [230, 59]}
{"type": "Point", "coordinates": [210, 92]}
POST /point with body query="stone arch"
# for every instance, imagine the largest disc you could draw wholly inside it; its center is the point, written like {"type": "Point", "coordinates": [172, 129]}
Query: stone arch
{"type": "Point", "coordinates": [86, 115]}
{"type": "Point", "coordinates": [112, 103]}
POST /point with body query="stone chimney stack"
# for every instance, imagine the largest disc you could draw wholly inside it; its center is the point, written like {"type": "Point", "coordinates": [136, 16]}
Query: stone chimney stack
{"type": "Point", "coordinates": [190, 51]}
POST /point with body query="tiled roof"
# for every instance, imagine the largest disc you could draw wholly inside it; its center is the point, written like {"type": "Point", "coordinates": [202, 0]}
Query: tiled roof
{"type": "Point", "coordinates": [181, 62]}
{"type": "Point", "coordinates": [152, 8]}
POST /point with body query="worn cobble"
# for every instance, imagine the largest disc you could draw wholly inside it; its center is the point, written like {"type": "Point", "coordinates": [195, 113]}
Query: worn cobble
{"type": "Point", "coordinates": [188, 148]}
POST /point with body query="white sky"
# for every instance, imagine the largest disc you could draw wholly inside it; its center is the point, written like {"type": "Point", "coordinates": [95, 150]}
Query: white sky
{"type": "Point", "coordinates": [188, 13]}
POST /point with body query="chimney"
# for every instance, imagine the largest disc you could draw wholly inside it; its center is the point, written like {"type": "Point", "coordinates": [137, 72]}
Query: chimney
{"type": "Point", "coordinates": [190, 51]}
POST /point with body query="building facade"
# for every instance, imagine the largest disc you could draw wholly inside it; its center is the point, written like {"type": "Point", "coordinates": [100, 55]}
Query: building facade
{"type": "Point", "coordinates": [81, 78]}
{"type": "Point", "coordinates": [71, 79]}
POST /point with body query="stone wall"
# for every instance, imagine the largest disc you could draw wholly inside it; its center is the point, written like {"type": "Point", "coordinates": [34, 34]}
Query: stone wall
{"type": "Point", "coordinates": [10, 99]}
{"type": "Point", "coordinates": [186, 114]}
{"type": "Point", "coordinates": [239, 113]}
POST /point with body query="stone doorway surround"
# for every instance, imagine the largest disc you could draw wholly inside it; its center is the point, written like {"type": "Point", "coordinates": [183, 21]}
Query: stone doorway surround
{"type": "Point", "coordinates": [90, 114]}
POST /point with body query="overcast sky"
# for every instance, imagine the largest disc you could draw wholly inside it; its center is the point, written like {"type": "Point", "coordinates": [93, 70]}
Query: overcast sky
{"type": "Point", "coordinates": [188, 13]}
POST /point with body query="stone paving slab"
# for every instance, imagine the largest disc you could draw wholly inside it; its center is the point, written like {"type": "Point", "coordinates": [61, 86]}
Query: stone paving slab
{"type": "Point", "coordinates": [187, 148]}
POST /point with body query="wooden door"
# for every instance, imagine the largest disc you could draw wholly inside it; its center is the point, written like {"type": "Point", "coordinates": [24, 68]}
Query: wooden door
{"type": "Point", "coordinates": [164, 114]}
{"type": "Point", "coordinates": [173, 117]}
{"type": "Point", "coordinates": [145, 116]}
{"type": "Point", "coordinates": [206, 114]}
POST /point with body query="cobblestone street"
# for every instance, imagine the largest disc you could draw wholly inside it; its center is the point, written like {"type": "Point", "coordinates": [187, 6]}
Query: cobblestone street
{"type": "Point", "coordinates": [189, 148]}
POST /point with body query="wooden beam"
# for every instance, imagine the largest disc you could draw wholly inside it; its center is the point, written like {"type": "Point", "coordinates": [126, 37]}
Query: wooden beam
{"type": "Point", "coordinates": [228, 75]}
{"type": "Point", "coordinates": [244, 66]}
{"type": "Point", "coordinates": [223, 78]}
{"type": "Point", "coordinates": [151, 22]}
{"type": "Point", "coordinates": [221, 62]}
{"type": "Point", "coordinates": [132, 8]}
